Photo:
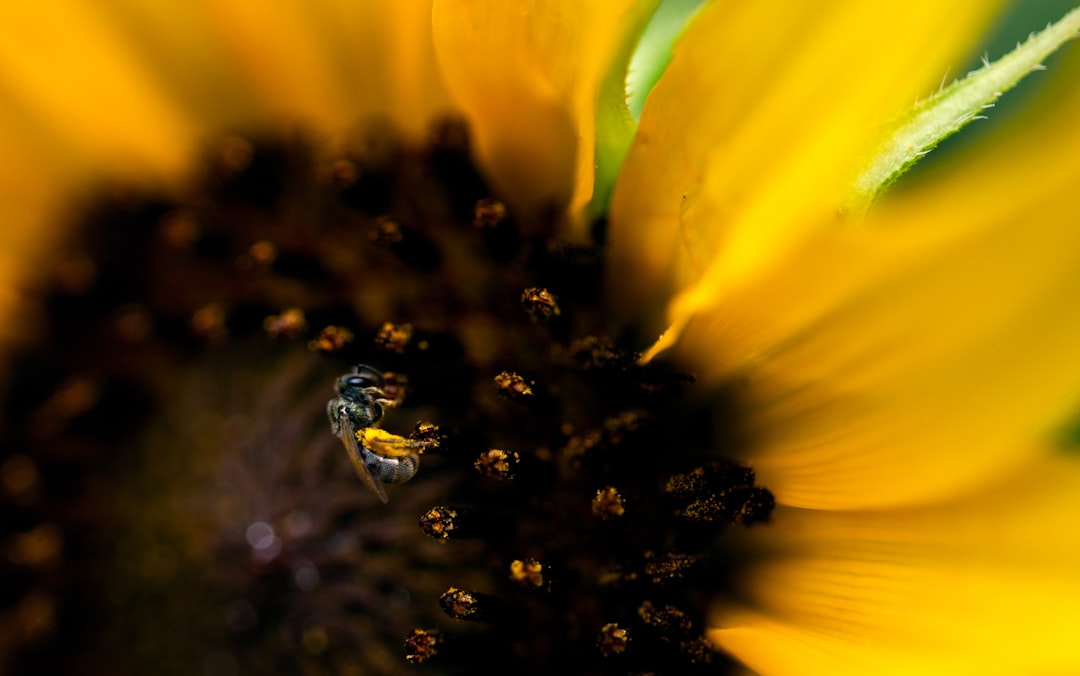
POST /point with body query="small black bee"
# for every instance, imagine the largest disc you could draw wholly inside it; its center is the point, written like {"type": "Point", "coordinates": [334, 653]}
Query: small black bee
{"type": "Point", "coordinates": [378, 456]}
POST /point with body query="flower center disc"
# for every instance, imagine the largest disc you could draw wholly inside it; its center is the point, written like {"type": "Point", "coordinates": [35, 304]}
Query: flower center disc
{"type": "Point", "coordinates": [570, 516]}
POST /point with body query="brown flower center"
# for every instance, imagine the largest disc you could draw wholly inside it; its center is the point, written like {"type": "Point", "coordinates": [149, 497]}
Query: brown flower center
{"type": "Point", "coordinates": [569, 501]}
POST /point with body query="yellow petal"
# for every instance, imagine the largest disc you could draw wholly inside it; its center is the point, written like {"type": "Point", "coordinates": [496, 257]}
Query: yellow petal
{"type": "Point", "coordinates": [332, 64]}
{"type": "Point", "coordinates": [68, 72]}
{"type": "Point", "coordinates": [328, 63]}
{"type": "Point", "coordinates": [527, 76]}
{"type": "Point", "coordinates": [922, 352]}
{"type": "Point", "coordinates": [176, 43]}
{"type": "Point", "coordinates": [28, 209]}
{"type": "Point", "coordinates": [986, 585]}
{"type": "Point", "coordinates": [387, 59]}
{"type": "Point", "coordinates": [757, 128]}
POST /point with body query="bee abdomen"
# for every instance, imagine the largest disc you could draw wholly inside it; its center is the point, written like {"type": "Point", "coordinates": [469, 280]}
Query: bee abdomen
{"type": "Point", "coordinates": [392, 470]}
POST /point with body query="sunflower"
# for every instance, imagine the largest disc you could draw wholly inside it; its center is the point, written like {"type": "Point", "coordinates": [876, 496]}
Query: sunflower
{"type": "Point", "coordinates": [847, 452]}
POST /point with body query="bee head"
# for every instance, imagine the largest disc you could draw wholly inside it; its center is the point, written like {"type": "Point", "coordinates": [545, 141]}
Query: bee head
{"type": "Point", "coordinates": [363, 383]}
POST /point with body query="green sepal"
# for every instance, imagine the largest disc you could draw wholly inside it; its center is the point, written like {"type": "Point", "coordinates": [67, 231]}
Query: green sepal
{"type": "Point", "coordinates": [950, 109]}
{"type": "Point", "coordinates": [615, 126]}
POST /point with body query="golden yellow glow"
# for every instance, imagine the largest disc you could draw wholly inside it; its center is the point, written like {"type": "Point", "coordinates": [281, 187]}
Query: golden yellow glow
{"type": "Point", "coordinates": [982, 584]}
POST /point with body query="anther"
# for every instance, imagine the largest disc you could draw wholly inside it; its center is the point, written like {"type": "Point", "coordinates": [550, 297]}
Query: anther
{"type": "Point", "coordinates": [456, 523]}
{"type": "Point", "coordinates": [259, 257]}
{"type": "Point", "coordinates": [757, 508]}
{"type": "Point", "coordinates": [331, 339]}
{"type": "Point", "coordinates": [669, 622]}
{"type": "Point", "coordinates": [428, 434]}
{"type": "Point", "coordinates": [38, 547]}
{"type": "Point", "coordinates": [488, 213]}
{"type": "Point", "coordinates": [608, 504]}
{"type": "Point", "coordinates": [601, 353]}
{"type": "Point", "coordinates": [530, 573]}
{"type": "Point", "coordinates": [618, 426]}
{"type": "Point", "coordinates": [540, 303]}
{"type": "Point", "coordinates": [598, 352]}
{"type": "Point", "coordinates": [386, 232]}
{"type": "Point", "coordinates": [422, 644]}
{"type": "Point", "coordinates": [179, 229]}
{"type": "Point", "coordinates": [611, 433]}
{"type": "Point", "coordinates": [288, 324]}
{"type": "Point", "coordinates": [462, 604]}
{"type": "Point", "coordinates": [697, 650]}
{"type": "Point", "coordinates": [666, 567]}
{"type": "Point", "coordinates": [513, 386]}
{"type": "Point", "coordinates": [394, 337]}
{"type": "Point", "coordinates": [709, 480]}
{"type": "Point", "coordinates": [208, 323]}
{"type": "Point", "coordinates": [442, 523]}
{"type": "Point", "coordinates": [342, 174]}
{"type": "Point", "coordinates": [744, 505]}
{"type": "Point", "coordinates": [132, 323]}
{"type": "Point", "coordinates": [613, 640]}
{"type": "Point", "coordinates": [497, 464]}
{"type": "Point", "coordinates": [722, 492]}
{"type": "Point", "coordinates": [75, 397]}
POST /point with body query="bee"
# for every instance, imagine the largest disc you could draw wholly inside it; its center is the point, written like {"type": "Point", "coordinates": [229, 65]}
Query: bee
{"type": "Point", "coordinates": [378, 456]}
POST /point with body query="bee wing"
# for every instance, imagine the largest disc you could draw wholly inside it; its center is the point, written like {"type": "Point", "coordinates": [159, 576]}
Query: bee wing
{"type": "Point", "coordinates": [348, 437]}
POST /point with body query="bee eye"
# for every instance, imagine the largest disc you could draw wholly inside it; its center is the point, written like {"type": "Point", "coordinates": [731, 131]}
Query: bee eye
{"type": "Point", "coordinates": [360, 381]}
{"type": "Point", "coordinates": [365, 376]}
